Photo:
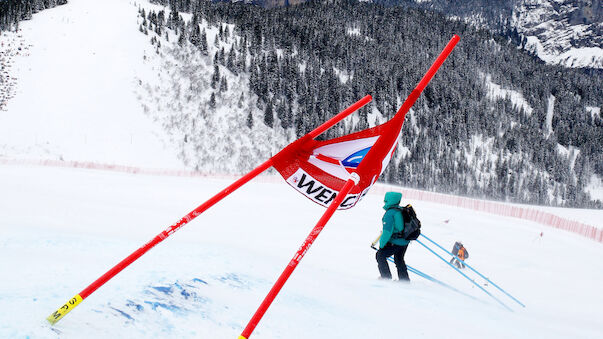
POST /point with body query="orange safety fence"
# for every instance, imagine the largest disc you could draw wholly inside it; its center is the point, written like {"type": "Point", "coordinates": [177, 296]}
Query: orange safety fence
{"type": "Point", "coordinates": [492, 207]}
{"type": "Point", "coordinates": [499, 208]}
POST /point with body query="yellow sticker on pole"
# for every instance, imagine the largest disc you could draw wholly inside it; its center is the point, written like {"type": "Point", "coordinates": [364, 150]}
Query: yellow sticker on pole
{"type": "Point", "coordinates": [61, 312]}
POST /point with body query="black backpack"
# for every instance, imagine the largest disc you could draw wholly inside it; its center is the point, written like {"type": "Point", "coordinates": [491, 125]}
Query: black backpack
{"type": "Point", "coordinates": [412, 225]}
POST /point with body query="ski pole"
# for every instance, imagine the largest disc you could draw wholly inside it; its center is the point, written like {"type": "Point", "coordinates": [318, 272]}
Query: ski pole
{"type": "Point", "coordinates": [374, 243]}
{"type": "Point", "coordinates": [410, 268]}
{"type": "Point", "coordinates": [439, 282]}
{"type": "Point", "coordinates": [430, 278]}
{"type": "Point", "coordinates": [474, 270]}
{"type": "Point", "coordinates": [464, 275]}
{"type": "Point", "coordinates": [417, 272]}
{"type": "Point", "coordinates": [78, 298]}
{"type": "Point", "coordinates": [434, 280]}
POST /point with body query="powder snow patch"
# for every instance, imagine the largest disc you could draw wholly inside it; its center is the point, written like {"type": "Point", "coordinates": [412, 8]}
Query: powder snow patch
{"type": "Point", "coordinates": [177, 298]}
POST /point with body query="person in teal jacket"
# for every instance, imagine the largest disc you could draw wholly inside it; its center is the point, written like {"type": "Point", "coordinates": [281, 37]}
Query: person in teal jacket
{"type": "Point", "coordinates": [389, 243]}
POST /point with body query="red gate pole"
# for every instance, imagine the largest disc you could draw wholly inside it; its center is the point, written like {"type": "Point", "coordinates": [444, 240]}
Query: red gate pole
{"type": "Point", "coordinates": [298, 257]}
{"type": "Point", "coordinates": [412, 97]}
{"type": "Point", "coordinates": [73, 302]}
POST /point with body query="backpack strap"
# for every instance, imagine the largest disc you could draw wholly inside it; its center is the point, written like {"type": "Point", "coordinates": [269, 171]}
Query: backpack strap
{"type": "Point", "coordinates": [398, 235]}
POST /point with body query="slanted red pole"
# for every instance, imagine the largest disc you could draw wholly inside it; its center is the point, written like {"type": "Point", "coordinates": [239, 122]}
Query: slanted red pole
{"type": "Point", "coordinates": [297, 258]}
{"type": "Point", "coordinates": [77, 299]}
{"type": "Point", "coordinates": [329, 123]}
{"type": "Point", "coordinates": [173, 228]}
{"type": "Point", "coordinates": [438, 62]}
{"type": "Point", "coordinates": [340, 196]}
{"type": "Point", "coordinates": [73, 302]}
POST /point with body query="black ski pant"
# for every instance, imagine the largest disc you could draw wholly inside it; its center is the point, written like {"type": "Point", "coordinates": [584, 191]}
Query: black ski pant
{"type": "Point", "coordinates": [457, 263]}
{"type": "Point", "coordinates": [398, 252]}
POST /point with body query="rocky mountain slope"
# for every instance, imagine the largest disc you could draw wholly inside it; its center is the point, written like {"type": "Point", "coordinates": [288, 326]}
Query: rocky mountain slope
{"type": "Point", "coordinates": [563, 32]}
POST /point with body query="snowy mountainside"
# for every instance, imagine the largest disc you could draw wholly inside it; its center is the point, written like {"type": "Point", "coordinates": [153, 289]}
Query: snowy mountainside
{"type": "Point", "coordinates": [12, 46]}
{"type": "Point", "coordinates": [214, 122]}
{"type": "Point", "coordinates": [486, 95]}
{"type": "Point", "coordinates": [269, 92]}
{"type": "Point", "coordinates": [565, 32]}
{"type": "Point", "coordinates": [202, 96]}
{"type": "Point", "coordinates": [73, 92]}
{"type": "Point", "coordinates": [276, 3]}
{"type": "Point", "coordinates": [560, 32]}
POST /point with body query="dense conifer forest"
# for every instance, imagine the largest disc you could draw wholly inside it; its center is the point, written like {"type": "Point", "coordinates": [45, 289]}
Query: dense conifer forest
{"type": "Point", "coordinates": [13, 11]}
{"type": "Point", "coordinates": [467, 134]}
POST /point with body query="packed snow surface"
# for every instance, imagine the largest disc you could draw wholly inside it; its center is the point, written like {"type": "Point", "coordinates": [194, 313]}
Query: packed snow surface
{"type": "Point", "coordinates": [62, 228]}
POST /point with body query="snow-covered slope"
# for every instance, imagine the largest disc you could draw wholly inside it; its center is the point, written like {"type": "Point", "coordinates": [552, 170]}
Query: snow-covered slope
{"type": "Point", "coordinates": [63, 228]}
{"type": "Point", "coordinates": [213, 137]}
{"type": "Point", "coordinates": [74, 93]}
